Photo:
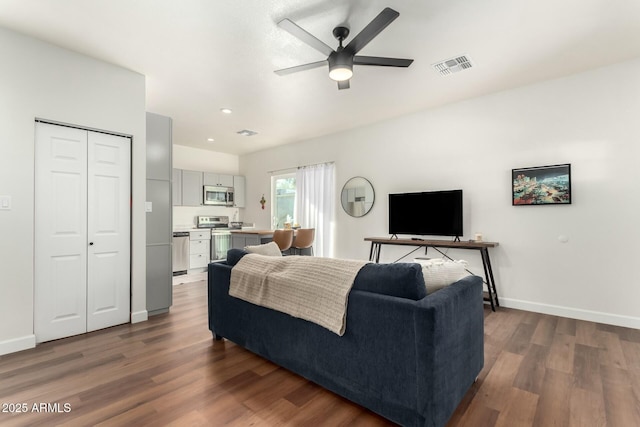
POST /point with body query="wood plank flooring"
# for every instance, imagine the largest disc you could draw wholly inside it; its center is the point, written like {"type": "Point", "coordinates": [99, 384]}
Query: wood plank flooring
{"type": "Point", "coordinates": [539, 371]}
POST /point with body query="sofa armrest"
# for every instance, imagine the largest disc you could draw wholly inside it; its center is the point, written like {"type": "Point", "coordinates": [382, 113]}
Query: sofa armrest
{"type": "Point", "coordinates": [450, 329]}
{"type": "Point", "coordinates": [219, 275]}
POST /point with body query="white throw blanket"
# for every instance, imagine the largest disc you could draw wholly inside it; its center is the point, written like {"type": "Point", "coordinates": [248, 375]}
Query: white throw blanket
{"type": "Point", "coordinates": [310, 288]}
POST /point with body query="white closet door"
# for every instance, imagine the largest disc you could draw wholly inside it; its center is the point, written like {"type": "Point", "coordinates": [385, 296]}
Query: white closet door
{"type": "Point", "coordinates": [108, 291]}
{"type": "Point", "coordinates": [82, 231]}
{"type": "Point", "coordinates": [60, 232]}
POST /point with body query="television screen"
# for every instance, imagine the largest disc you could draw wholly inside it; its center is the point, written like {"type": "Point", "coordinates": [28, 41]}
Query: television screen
{"type": "Point", "coordinates": [433, 213]}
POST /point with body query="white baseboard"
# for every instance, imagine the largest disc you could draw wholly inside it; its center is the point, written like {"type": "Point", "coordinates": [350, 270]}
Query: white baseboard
{"type": "Point", "coordinates": [573, 313]}
{"type": "Point", "coordinates": [17, 344]}
{"type": "Point", "coordinates": [139, 316]}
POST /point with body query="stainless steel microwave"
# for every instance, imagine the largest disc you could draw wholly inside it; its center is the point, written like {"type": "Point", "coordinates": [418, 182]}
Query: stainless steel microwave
{"type": "Point", "coordinates": [214, 195]}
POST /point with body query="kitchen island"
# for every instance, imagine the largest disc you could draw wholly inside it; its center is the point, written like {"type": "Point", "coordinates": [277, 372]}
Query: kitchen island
{"type": "Point", "coordinates": [250, 237]}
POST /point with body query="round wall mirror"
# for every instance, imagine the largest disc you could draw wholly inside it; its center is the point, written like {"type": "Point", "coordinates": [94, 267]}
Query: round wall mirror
{"type": "Point", "coordinates": [357, 196]}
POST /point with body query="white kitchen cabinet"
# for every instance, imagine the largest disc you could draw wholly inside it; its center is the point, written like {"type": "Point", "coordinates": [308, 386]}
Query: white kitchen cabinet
{"type": "Point", "coordinates": [199, 248]}
{"type": "Point", "coordinates": [192, 188]}
{"type": "Point", "coordinates": [239, 184]}
{"type": "Point", "coordinates": [218, 179]}
{"type": "Point", "coordinates": [200, 235]}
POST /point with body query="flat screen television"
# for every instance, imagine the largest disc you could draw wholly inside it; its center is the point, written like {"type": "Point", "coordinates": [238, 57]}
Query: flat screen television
{"type": "Point", "coordinates": [432, 213]}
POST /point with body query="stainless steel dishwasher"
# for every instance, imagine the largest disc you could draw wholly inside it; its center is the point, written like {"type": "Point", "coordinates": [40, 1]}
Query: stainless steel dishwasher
{"type": "Point", "coordinates": [180, 252]}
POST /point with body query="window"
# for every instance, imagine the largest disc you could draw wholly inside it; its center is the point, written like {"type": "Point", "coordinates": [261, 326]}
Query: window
{"type": "Point", "coordinates": [306, 197]}
{"type": "Point", "coordinates": [283, 197]}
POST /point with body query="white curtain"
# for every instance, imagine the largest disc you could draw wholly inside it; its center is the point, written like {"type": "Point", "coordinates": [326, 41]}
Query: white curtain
{"type": "Point", "coordinates": [315, 199]}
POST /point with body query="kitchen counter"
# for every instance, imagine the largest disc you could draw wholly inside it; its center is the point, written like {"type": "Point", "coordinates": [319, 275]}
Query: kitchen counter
{"type": "Point", "coordinates": [185, 227]}
{"type": "Point", "coordinates": [192, 228]}
{"type": "Point", "coordinates": [250, 237]}
{"type": "Point", "coordinates": [253, 232]}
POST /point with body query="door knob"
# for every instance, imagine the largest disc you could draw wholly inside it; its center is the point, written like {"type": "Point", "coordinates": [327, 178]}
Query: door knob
{"type": "Point", "coordinates": [90, 243]}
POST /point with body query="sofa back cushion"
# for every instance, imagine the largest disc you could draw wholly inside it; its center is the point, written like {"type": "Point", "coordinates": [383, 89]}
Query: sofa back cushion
{"type": "Point", "coordinates": [235, 255]}
{"type": "Point", "coordinates": [404, 280]}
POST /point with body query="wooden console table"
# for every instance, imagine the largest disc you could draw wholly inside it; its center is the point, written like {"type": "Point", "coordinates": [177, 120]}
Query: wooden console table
{"type": "Point", "coordinates": [483, 247]}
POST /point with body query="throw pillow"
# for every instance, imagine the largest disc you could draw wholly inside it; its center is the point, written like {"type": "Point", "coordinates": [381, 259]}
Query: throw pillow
{"type": "Point", "coordinates": [269, 249]}
{"type": "Point", "coordinates": [439, 272]}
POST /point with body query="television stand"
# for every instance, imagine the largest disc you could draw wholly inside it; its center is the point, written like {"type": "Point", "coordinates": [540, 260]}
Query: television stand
{"type": "Point", "coordinates": [483, 247]}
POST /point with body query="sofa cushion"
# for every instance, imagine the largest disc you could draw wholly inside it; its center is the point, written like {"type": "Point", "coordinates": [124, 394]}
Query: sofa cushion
{"type": "Point", "coordinates": [235, 255]}
{"type": "Point", "coordinates": [268, 249]}
{"type": "Point", "coordinates": [404, 280]}
{"type": "Point", "coordinates": [439, 273]}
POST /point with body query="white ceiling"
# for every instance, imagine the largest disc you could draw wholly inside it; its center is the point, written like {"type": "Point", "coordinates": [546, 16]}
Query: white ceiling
{"type": "Point", "coordinates": [202, 55]}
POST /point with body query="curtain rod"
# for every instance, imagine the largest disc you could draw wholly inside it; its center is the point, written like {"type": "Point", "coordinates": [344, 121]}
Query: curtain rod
{"type": "Point", "coordinates": [300, 167]}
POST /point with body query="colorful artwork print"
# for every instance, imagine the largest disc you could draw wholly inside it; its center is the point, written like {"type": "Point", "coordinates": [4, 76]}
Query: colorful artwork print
{"type": "Point", "coordinates": [544, 185]}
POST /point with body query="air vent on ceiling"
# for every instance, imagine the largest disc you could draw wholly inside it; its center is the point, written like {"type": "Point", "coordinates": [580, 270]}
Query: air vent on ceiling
{"type": "Point", "coordinates": [453, 65]}
{"type": "Point", "coordinates": [246, 132]}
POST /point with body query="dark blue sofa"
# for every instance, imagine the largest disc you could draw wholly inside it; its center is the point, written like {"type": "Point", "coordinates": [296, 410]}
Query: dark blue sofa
{"type": "Point", "coordinates": [405, 355]}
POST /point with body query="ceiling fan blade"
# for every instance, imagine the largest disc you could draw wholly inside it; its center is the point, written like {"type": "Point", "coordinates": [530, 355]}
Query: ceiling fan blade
{"type": "Point", "coordinates": [309, 66]}
{"type": "Point", "coordinates": [374, 28]}
{"type": "Point", "coordinates": [383, 62]}
{"type": "Point", "coordinates": [306, 37]}
{"type": "Point", "coordinates": [343, 84]}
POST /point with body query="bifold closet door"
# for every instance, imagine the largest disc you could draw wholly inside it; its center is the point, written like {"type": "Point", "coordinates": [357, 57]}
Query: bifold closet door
{"type": "Point", "coordinates": [109, 219]}
{"type": "Point", "coordinates": [82, 231]}
{"type": "Point", "coordinates": [60, 232]}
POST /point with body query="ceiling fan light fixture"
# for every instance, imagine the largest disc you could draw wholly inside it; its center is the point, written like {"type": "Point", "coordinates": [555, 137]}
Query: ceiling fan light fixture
{"type": "Point", "coordinates": [340, 66]}
{"type": "Point", "coordinates": [342, 59]}
{"type": "Point", "coordinates": [340, 73]}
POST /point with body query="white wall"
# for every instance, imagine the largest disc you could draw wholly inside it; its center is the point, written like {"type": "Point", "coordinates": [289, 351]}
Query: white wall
{"type": "Point", "coordinates": [589, 120]}
{"type": "Point", "coordinates": [204, 160]}
{"type": "Point", "coordinates": [44, 81]}
{"type": "Point", "coordinates": [207, 161]}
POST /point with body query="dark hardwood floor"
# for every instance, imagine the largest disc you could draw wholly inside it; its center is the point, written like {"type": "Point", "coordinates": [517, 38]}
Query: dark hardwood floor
{"type": "Point", "coordinates": [539, 371]}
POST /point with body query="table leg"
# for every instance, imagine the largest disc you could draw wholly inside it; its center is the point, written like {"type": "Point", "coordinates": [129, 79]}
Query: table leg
{"type": "Point", "coordinates": [488, 273]}
{"type": "Point", "coordinates": [485, 264]}
{"type": "Point", "coordinates": [374, 252]}
{"type": "Point", "coordinates": [493, 281]}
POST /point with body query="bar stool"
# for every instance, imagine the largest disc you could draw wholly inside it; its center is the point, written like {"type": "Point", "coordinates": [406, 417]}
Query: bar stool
{"type": "Point", "coordinates": [304, 239]}
{"type": "Point", "coordinates": [283, 238]}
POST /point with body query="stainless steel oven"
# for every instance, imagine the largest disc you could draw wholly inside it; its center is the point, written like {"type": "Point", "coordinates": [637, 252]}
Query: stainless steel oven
{"type": "Point", "coordinates": [220, 235]}
{"type": "Point", "coordinates": [220, 244]}
{"type": "Point", "coordinates": [217, 196]}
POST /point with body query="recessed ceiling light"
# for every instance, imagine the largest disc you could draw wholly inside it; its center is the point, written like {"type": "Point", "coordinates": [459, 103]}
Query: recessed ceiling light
{"type": "Point", "coordinates": [246, 132]}
{"type": "Point", "coordinates": [226, 110]}
{"type": "Point", "coordinates": [210, 139]}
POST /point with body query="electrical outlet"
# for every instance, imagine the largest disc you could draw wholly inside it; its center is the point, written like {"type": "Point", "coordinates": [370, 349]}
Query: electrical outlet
{"type": "Point", "coordinates": [5, 203]}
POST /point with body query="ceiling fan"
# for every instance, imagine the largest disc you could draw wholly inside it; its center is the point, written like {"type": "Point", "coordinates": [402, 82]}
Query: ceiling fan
{"type": "Point", "coordinates": [342, 60]}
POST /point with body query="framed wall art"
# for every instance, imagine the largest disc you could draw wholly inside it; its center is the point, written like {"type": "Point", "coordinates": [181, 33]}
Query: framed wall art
{"type": "Point", "coordinates": [541, 185]}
